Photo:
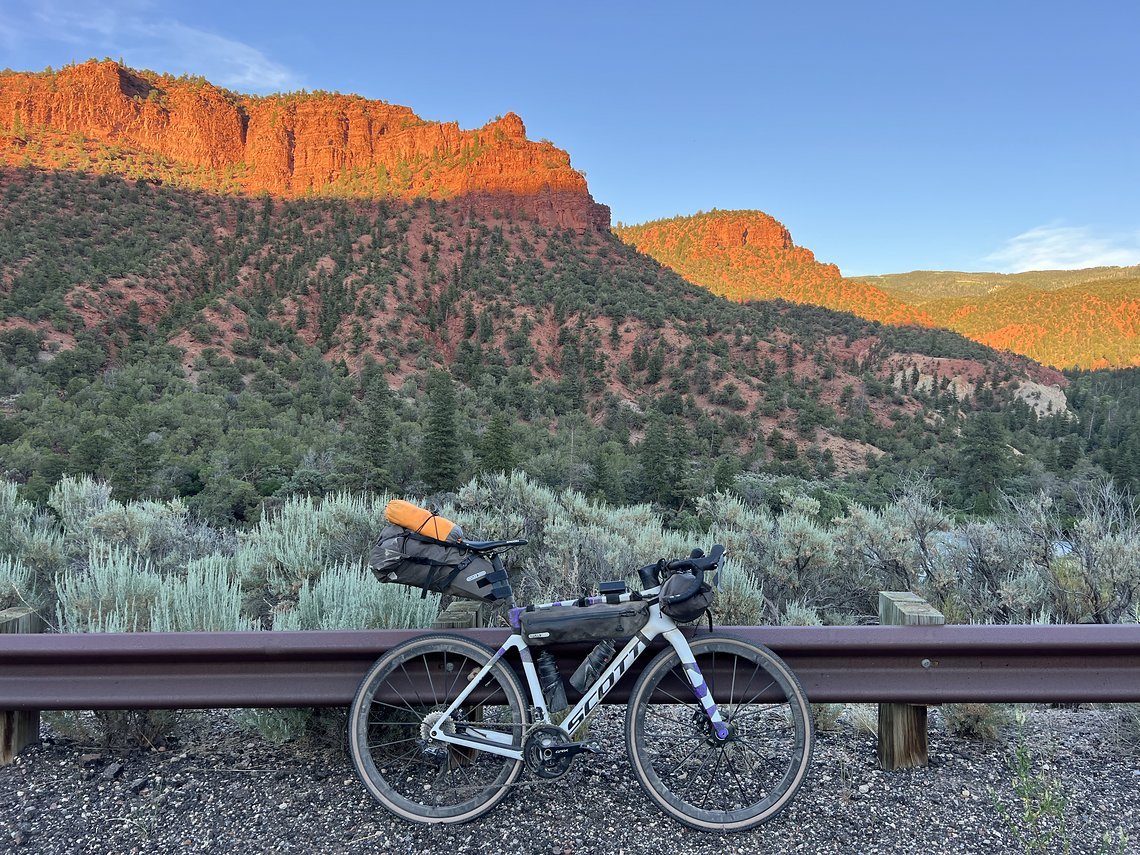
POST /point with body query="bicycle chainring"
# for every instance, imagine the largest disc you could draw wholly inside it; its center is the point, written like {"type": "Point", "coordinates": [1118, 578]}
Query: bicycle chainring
{"type": "Point", "coordinates": [537, 753]}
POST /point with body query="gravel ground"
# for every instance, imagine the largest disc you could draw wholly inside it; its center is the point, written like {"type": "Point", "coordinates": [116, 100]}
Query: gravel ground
{"type": "Point", "coordinates": [214, 788]}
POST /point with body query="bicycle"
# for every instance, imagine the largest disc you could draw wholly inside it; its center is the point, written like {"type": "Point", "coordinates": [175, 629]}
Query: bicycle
{"type": "Point", "coordinates": [717, 729]}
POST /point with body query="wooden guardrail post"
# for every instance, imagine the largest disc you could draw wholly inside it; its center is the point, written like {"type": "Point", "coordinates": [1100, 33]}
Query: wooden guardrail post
{"type": "Point", "coordinates": [462, 614]}
{"type": "Point", "coordinates": [902, 727]}
{"type": "Point", "coordinates": [18, 728]}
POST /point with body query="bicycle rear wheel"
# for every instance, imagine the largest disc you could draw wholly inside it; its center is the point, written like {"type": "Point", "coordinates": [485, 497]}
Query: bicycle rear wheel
{"type": "Point", "coordinates": [703, 782]}
{"type": "Point", "coordinates": [427, 780]}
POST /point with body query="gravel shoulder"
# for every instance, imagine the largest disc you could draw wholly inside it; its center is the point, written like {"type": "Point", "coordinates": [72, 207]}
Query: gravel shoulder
{"type": "Point", "coordinates": [216, 789]}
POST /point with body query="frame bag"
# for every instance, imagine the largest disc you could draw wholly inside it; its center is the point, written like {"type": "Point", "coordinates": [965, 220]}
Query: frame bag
{"type": "Point", "coordinates": [559, 624]}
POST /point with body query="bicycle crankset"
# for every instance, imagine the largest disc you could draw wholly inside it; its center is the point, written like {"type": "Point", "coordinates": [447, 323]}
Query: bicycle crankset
{"type": "Point", "coordinates": [549, 752]}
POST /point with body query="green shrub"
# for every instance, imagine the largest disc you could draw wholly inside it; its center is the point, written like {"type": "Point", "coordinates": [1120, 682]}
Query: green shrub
{"type": "Point", "coordinates": [976, 721]}
{"type": "Point", "coordinates": [348, 597]}
{"type": "Point", "coordinates": [17, 584]}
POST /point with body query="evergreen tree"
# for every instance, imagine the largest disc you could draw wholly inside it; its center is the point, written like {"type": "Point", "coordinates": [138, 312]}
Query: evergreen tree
{"type": "Point", "coordinates": [375, 435]}
{"type": "Point", "coordinates": [134, 457]}
{"type": "Point", "coordinates": [984, 462]}
{"type": "Point", "coordinates": [658, 462]}
{"type": "Point", "coordinates": [497, 450]}
{"type": "Point", "coordinates": [440, 453]}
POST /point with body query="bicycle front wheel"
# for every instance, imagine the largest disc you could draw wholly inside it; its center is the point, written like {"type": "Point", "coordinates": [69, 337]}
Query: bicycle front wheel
{"type": "Point", "coordinates": [698, 779]}
{"type": "Point", "coordinates": [402, 697]}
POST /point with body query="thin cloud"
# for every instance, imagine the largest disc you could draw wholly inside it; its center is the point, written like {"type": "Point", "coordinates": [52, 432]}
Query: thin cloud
{"type": "Point", "coordinates": [131, 29]}
{"type": "Point", "coordinates": [236, 64]}
{"type": "Point", "coordinates": [1056, 247]}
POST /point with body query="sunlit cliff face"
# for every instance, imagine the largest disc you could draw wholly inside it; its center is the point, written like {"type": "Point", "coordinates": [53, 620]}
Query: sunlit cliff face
{"type": "Point", "coordinates": [189, 132]}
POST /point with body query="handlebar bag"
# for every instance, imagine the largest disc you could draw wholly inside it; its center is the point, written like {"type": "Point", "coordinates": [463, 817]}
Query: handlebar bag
{"type": "Point", "coordinates": [559, 624]}
{"type": "Point", "coordinates": [403, 557]}
{"type": "Point", "coordinates": [691, 608]}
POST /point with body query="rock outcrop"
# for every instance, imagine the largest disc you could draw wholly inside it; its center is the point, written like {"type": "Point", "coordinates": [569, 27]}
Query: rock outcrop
{"type": "Point", "coordinates": [748, 255]}
{"type": "Point", "coordinates": [190, 132]}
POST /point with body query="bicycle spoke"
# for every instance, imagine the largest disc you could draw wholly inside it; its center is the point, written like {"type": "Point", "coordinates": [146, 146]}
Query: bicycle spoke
{"type": "Point", "coordinates": [755, 670]}
{"type": "Point", "coordinates": [739, 782]}
{"type": "Point", "coordinates": [752, 700]}
{"type": "Point", "coordinates": [407, 706]}
{"type": "Point", "coordinates": [431, 682]}
{"type": "Point", "coordinates": [659, 714]}
{"type": "Point", "coordinates": [713, 780]}
{"type": "Point", "coordinates": [694, 777]}
{"type": "Point", "coordinates": [684, 760]}
{"type": "Point", "coordinates": [459, 671]}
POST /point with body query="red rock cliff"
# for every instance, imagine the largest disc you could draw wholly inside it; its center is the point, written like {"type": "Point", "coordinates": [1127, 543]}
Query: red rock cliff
{"type": "Point", "coordinates": [748, 255]}
{"type": "Point", "coordinates": [191, 131]}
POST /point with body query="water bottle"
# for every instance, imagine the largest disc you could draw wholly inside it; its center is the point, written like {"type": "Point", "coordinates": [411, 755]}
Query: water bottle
{"type": "Point", "coordinates": [551, 682]}
{"type": "Point", "coordinates": [593, 665]}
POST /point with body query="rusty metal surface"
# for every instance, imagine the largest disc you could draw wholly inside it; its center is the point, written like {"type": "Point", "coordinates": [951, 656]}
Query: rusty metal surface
{"type": "Point", "coordinates": [929, 664]}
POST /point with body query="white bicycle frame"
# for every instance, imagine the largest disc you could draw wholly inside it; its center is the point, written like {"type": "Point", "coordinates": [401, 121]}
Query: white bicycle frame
{"type": "Point", "coordinates": [496, 742]}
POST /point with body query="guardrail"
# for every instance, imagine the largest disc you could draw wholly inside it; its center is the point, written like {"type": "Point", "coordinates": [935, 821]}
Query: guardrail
{"type": "Point", "coordinates": [903, 668]}
{"type": "Point", "coordinates": [900, 664]}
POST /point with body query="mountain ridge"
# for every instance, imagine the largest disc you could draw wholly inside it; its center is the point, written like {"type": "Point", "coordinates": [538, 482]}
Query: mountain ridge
{"type": "Point", "coordinates": [1086, 318]}
{"type": "Point", "coordinates": [750, 255]}
{"type": "Point", "coordinates": [1065, 319]}
{"type": "Point", "coordinates": [191, 133]}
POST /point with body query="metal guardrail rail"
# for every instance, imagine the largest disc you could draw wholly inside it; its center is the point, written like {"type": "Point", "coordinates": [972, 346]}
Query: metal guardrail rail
{"type": "Point", "coordinates": [873, 664]}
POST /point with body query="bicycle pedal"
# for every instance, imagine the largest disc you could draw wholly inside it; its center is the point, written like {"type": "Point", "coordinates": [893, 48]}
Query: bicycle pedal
{"type": "Point", "coordinates": [592, 747]}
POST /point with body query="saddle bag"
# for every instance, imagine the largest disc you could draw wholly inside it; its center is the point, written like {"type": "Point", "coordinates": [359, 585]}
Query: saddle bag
{"type": "Point", "coordinates": [423, 550]}
{"type": "Point", "coordinates": [559, 624]}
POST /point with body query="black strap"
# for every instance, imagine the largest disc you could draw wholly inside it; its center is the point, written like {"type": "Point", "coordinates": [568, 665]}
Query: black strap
{"type": "Point", "coordinates": [440, 586]}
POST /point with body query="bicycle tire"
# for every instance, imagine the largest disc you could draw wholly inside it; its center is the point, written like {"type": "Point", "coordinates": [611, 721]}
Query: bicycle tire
{"type": "Point", "coordinates": [698, 780]}
{"type": "Point", "coordinates": [428, 781]}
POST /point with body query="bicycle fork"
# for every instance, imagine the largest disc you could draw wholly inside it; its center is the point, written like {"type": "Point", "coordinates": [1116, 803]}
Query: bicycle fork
{"type": "Point", "coordinates": [697, 682]}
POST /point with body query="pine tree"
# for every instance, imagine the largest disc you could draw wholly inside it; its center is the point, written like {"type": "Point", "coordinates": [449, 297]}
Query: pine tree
{"type": "Point", "coordinates": [497, 451]}
{"type": "Point", "coordinates": [375, 435]}
{"type": "Point", "coordinates": [440, 453]}
{"type": "Point", "coordinates": [984, 461]}
{"type": "Point", "coordinates": [658, 463]}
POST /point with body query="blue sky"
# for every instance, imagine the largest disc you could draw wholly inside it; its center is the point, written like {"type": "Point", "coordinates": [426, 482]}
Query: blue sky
{"type": "Point", "coordinates": [886, 136]}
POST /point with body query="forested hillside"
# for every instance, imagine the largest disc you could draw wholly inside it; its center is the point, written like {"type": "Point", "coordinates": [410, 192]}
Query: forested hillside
{"type": "Point", "coordinates": [1067, 318]}
{"type": "Point", "coordinates": [925, 286]}
{"type": "Point", "coordinates": [234, 351]}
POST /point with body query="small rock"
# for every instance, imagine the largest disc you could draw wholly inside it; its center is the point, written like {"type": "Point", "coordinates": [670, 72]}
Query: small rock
{"type": "Point", "coordinates": [112, 771]}
{"type": "Point", "coordinates": [137, 785]}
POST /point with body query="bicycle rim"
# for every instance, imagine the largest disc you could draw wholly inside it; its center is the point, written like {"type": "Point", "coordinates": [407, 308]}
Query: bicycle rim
{"type": "Point", "coordinates": [426, 780]}
{"type": "Point", "coordinates": [705, 783]}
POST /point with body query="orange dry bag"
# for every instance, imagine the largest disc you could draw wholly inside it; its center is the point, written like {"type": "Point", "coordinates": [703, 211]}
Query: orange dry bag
{"type": "Point", "coordinates": [422, 522]}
